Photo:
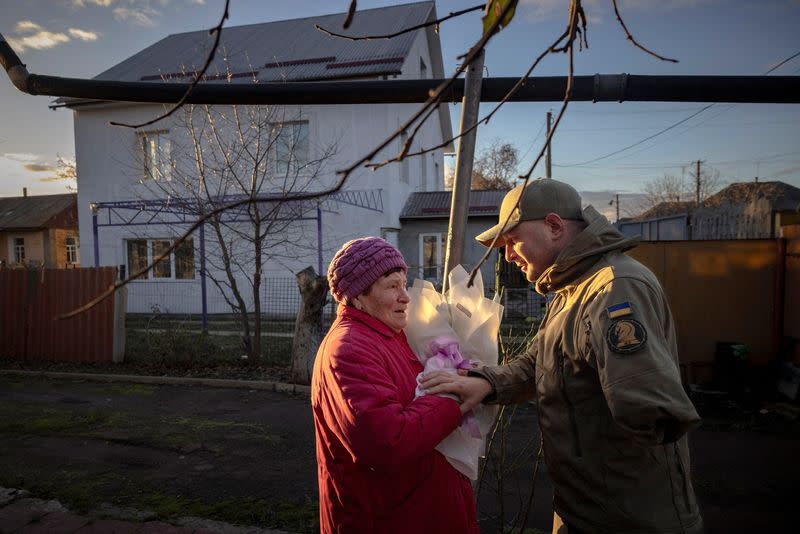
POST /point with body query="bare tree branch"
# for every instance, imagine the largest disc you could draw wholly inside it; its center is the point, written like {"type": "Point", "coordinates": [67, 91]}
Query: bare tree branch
{"type": "Point", "coordinates": [633, 41]}
{"type": "Point", "coordinates": [199, 75]}
{"type": "Point", "coordinates": [569, 47]}
{"type": "Point", "coordinates": [435, 95]}
{"type": "Point", "coordinates": [351, 11]}
{"type": "Point", "coordinates": [206, 216]}
{"type": "Point", "coordinates": [400, 32]}
{"type": "Point", "coordinates": [485, 120]}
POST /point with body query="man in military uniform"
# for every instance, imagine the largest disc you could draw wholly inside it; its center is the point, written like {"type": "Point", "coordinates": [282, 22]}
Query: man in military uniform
{"type": "Point", "coordinates": [603, 369]}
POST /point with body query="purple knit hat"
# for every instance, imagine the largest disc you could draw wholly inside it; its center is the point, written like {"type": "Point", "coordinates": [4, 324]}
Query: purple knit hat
{"type": "Point", "coordinates": [358, 264]}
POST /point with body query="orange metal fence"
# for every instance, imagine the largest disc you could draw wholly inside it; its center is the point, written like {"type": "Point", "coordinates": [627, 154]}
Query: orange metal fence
{"type": "Point", "coordinates": [722, 291]}
{"type": "Point", "coordinates": [32, 299]}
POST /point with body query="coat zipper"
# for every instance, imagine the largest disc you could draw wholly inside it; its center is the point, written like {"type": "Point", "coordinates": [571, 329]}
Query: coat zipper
{"type": "Point", "coordinates": [576, 443]}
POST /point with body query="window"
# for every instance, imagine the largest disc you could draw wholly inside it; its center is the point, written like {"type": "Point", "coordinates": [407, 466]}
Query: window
{"type": "Point", "coordinates": [19, 249]}
{"type": "Point", "coordinates": [432, 250]}
{"type": "Point", "coordinates": [162, 269]}
{"type": "Point", "coordinates": [178, 265]}
{"type": "Point", "coordinates": [156, 155]}
{"type": "Point", "coordinates": [72, 250]}
{"type": "Point", "coordinates": [290, 147]}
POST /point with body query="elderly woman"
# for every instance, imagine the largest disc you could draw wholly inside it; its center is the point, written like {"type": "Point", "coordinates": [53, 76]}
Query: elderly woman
{"type": "Point", "coordinates": [377, 467]}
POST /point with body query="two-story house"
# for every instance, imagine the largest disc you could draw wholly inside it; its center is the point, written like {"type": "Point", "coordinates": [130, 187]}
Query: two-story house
{"type": "Point", "coordinates": [132, 183]}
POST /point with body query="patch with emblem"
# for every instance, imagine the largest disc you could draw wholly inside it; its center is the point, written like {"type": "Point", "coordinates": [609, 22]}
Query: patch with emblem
{"type": "Point", "coordinates": [619, 310]}
{"type": "Point", "coordinates": [626, 336]}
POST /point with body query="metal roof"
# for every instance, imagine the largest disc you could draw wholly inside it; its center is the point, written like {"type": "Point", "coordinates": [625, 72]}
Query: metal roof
{"type": "Point", "coordinates": [33, 211]}
{"type": "Point", "coordinates": [286, 50]}
{"type": "Point", "coordinates": [436, 204]}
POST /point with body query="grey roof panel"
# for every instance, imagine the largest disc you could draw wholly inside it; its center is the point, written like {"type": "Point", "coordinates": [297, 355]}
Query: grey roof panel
{"type": "Point", "coordinates": [436, 204]}
{"type": "Point", "coordinates": [33, 211]}
{"type": "Point", "coordinates": [247, 49]}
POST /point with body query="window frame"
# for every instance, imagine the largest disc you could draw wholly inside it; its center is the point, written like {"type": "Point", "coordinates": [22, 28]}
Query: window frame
{"type": "Point", "coordinates": [19, 250]}
{"type": "Point", "coordinates": [151, 243]}
{"type": "Point", "coordinates": [163, 166]}
{"type": "Point", "coordinates": [277, 130]}
{"type": "Point", "coordinates": [72, 250]}
{"type": "Point", "coordinates": [440, 247]}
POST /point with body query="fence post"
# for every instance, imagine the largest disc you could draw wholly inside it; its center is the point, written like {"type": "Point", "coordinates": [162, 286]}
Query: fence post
{"type": "Point", "coordinates": [93, 207]}
{"type": "Point", "coordinates": [203, 276]}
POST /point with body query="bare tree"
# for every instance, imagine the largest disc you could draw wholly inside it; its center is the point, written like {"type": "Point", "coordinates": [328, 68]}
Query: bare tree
{"type": "Point", "coordinates": [496, 167]}
{"type": "Point", "coordinates": [672, 189]}
{"type": "Point", "coordinates": [65, 171]}
{"type": "Point", "coordinates": [668, 188]}
{"type": "Point", "coordinates": [219, 154]}
{"type": "Point", "coordinates": [706, 184]}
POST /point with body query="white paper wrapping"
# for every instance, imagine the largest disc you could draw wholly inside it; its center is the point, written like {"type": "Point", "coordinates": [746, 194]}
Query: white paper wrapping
{"type": "Point", "coordinates": [465, 315]}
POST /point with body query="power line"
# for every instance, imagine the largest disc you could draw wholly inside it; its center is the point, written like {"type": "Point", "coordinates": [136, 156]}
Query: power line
{"type": "Point", "coordinates": [637, 143]}
{"type": "Point", "coordinates": [533, 143]}
{"type": "Point", "coordinates": [668, 128]}
{"type": "Point", "coordinates": [718, 125]}
{"type": "Point", "coordinates": [680, 164]}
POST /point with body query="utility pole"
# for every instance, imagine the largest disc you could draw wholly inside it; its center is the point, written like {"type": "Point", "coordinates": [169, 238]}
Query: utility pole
{"type": "Point", "coordinates": [548, 156]}
{"type": "Point", "coordinates": [617, 203]}
{"type": "Point", "coordinates": [697, 183]}
{"type": "Point", "coordinates": [459, 206]}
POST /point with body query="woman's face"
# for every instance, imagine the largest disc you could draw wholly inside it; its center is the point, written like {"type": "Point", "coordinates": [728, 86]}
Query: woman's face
{"type": "Point", "coordinates": [387, 300]}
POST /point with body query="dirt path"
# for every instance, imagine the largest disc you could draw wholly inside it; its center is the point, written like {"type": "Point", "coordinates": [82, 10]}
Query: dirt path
{"type": "Point", "coordinates": [247, 457]}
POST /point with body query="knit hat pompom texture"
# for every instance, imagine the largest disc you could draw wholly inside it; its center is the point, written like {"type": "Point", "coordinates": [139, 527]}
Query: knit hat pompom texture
{"type": "Point", "coordinates": [358, 264]}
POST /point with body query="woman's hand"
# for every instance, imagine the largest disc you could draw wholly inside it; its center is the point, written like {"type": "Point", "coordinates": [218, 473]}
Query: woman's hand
{"type": "Point", "coordinates": [471, 390]}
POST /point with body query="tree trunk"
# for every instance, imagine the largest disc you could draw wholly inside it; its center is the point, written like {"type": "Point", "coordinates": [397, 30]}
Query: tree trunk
{"type": "Point", "coordinates": [308, 327]}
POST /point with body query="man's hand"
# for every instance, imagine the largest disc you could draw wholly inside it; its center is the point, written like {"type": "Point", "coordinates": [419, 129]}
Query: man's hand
{"type": "Point", "coordinates": [471, 390]}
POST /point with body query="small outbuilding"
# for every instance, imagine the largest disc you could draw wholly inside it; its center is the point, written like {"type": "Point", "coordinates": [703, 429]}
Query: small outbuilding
{"type": "Point", "coordinates": [39, 231]}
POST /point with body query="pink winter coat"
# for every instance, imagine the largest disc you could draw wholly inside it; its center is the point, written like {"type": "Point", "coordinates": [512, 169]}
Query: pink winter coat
{"type": "Point", "coordinates": [377, 467]}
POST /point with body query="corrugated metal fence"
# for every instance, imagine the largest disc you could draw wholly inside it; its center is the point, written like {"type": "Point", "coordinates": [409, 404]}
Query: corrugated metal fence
{"type": "Point", "coordinates": [32, 299]}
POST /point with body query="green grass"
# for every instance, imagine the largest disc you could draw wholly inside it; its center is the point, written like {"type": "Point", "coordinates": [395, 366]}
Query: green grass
{"type": "Point", "coordinates": [203, 427]}
{"type": "Point", "coordinates": [296, 517]}
{"type": "Point", "coordinates": [82, 491]}
{"type": "Point", "coordinates": [179, 349]}
{"type": "Point", "coordinates": [15, 419]}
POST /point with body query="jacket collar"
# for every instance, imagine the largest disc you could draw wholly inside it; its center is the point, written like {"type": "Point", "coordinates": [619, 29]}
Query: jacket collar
{"type": "Point", "coordinates": [598, 238]}
{"type": "Point", "coordinates": [351, 313]}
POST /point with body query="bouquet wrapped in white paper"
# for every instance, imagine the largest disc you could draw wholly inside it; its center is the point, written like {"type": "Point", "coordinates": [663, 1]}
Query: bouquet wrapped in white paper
{"type": "Point", "coordinates": [450, 332]}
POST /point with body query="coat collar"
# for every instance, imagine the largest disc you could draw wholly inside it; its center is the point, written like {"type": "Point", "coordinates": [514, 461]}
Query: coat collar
{"type": "Point", "coordinates": [598, 238]}
{"type": "Point", "coordinates": [349, 312]}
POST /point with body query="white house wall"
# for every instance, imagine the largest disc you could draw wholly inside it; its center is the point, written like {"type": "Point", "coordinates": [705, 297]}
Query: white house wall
{"type": "Point", "coordinates": [108, 170]}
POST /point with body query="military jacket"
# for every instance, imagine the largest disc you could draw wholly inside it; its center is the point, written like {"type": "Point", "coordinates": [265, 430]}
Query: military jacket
{"type": "Point", "coordinates": [604, 371]}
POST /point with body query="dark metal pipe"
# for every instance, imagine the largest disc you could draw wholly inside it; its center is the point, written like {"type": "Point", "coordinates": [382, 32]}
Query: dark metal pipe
{"type": "Point", "coordinates": [597, 88]}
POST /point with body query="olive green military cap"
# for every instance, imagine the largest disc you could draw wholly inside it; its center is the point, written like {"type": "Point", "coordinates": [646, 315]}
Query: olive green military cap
{"type": "Point", "coordinates": [540, 198]}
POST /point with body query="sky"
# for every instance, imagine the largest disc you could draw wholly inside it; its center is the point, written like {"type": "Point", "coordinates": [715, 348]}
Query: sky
{"type": "Point", "coordinates": [81, 38]}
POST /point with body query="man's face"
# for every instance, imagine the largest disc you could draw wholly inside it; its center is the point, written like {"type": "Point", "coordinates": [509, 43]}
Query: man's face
{"type": "Point", "coordinates": [532, 246]}
{"type": "Point", "coordinates": [387, 301]}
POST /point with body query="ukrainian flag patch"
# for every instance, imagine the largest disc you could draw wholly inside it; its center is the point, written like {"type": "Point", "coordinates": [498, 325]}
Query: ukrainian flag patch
{"type": "Point", "coordinates": [619, 310]}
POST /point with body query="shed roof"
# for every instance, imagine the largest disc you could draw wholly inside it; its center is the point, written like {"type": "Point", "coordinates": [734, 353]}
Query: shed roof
{"type": "Point", "coordinates": [436, 204]}
{"type": "Point", "coordinates": [33, 211]}
{"type": "Point", "coordinates": [284, 50]}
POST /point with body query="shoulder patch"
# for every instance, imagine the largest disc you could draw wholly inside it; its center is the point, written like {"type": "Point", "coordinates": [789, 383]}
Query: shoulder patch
{"type": "Point", "coordinates": [619, 310]}
{"type": "Point", "coordinates": [626, 336]}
